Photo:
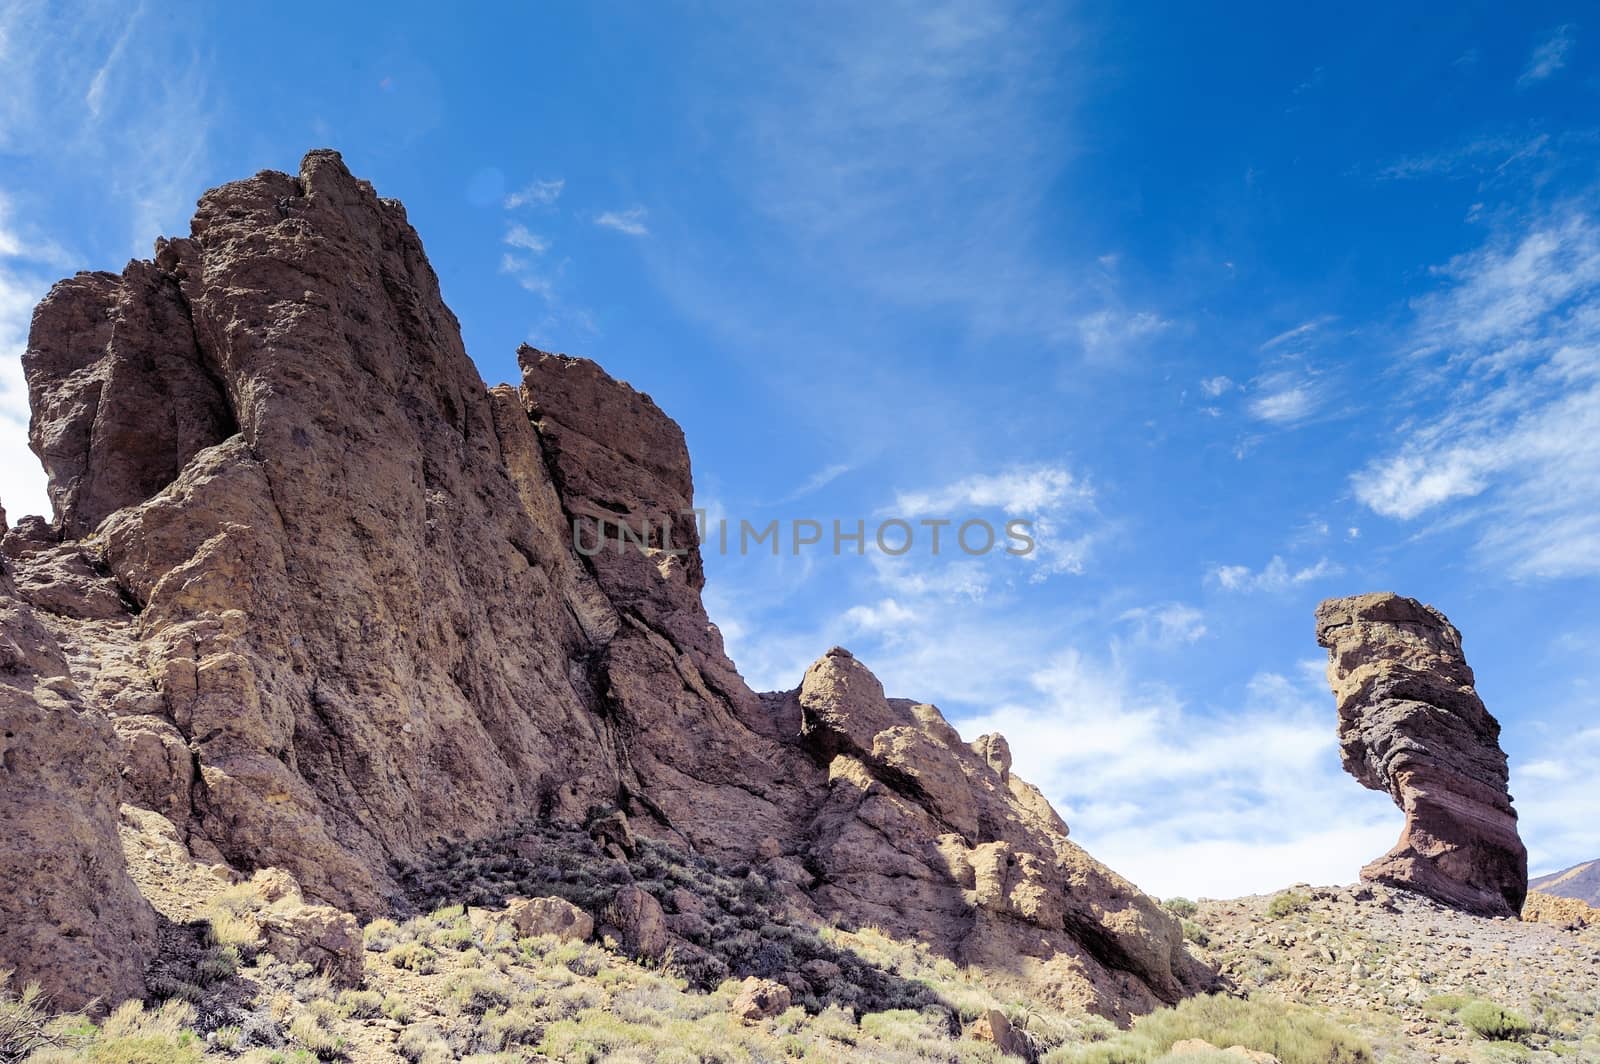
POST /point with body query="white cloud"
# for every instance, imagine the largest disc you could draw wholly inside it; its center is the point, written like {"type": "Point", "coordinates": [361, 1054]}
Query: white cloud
{"type": "Point", "coordinates": [883, 617]}
{"type": "Point", "coordinates": [1027, 490]}
{"type": "Point", "coordinates": [1558, 805]}
{"type": "Point", "coordinates": [1549, 57]}
{"type": "Point", "coordinates": [519, 236]}
{"type": "Point", "coordinates": [630, 221]}
{"type": "Point", "coordinates": [1109, 335]}
{"type": "Point", "coordinates": [539, 193]}
{"type": "Point", "coordinates": [1057, 506]}
{"type": "Point", "coordinates": [1168, 625]}
{"type": "Point", "coordinates": [1276, 575]}
{"type": "Point", "coordinates": [1285, 401]}
{"type": "Point", "coordinates": [1216, 803]}
{"type": "Point", "coordinates": [1215, 386]}
{"type": "Point", "coordinates": [818, 480]}
{"type": "Point", "coordinates": [1506, 365]}
{"type": "Point", "coordinates": [1292, 337]}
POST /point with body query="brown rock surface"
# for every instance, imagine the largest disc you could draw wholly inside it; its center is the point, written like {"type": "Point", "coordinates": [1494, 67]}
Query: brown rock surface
{"type": "Point", "coordinates": [1411, 724]}
{"type": "Point", "coordinates": [70, 916]}
{"type": "Point", "coordinates": [332, 607]}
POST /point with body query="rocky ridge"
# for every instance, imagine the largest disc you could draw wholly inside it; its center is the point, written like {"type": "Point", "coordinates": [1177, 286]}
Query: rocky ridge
{"type": "Point", "coordinates": [310, 602]}
{"type": "Point", "coordinates": [1411, 724]}
{"type": "Point", "coordinates": [1581, 881]}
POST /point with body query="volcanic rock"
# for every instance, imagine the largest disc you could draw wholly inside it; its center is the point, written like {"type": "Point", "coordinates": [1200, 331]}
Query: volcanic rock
{"type": "Point", "coordinates": [1411, 724]}
{"type": "Point", "coordinates": [320, 599]}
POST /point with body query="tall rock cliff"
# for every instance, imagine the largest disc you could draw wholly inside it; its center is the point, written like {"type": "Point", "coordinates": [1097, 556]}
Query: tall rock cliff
{"type": "Point", "coordinates": [316, 594]}
{"type": "Point", "coordinates": [1411, 724]}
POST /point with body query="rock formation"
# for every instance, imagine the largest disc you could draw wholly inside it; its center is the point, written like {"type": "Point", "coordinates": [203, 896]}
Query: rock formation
{"type": "Point", "coordinates": [313, 594]}
{"type": "Point", "coordinates": [1411, 724]}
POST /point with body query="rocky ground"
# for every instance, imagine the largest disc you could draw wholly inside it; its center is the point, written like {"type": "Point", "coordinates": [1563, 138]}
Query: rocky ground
{"type": "Point", "coordinates": [1403, 970]}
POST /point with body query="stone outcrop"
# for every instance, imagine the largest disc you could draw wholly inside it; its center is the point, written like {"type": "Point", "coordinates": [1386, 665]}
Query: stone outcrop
{"type": "Point", "coordinates": [319, 596]}
{"type": "Point", "coordinates": [1411, 724]}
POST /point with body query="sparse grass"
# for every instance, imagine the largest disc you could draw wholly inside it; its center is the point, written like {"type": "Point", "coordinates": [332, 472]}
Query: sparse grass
{"type": "Point", "coordinates": [310, 1033]}
{"type": "Point", "coordinates": [133, 1035]}
{"type": "Point", "coordinates": [25, 1022]}
{"type": "Point", "coordinates": [1293, 1034]}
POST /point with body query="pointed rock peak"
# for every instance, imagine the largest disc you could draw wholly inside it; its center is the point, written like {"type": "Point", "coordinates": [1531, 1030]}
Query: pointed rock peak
{"type": "Point", "coordinates": [842, 704]}
{"type": "Point", "coordinates": [994, 750]}
{"type": "Point", "coordinates": [1411, 724]}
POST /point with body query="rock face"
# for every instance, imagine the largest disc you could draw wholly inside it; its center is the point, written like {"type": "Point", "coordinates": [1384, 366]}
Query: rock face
{"type": "Point", "coordinates": [1411, 724]}
{"type": "Point", "coordinates": [70, 916]}
{"type": "Point", "coordinates": [327, 602]}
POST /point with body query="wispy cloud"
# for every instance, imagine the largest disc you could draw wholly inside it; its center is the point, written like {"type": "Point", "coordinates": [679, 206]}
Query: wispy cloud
{"type": "Point", "coordinates": [1276, 575]}
{"type": "Point", "coordinates": [539, 193]}
{"type": "Point", "coordinates": [1214, 387]}
{"type": "Point", "coordinates": [818, 480]}
{"type": "Point", "coordinates": [519, 236]}
{"type": "Point", "coordinates": [1481, 155]}
{"type": "Point", "coordinates": [1017, 491]}
{"type": "Point", "coordinates": [1108, 335]}
{"type": "Point", "coordinates": [1512, 343]}
{"type": "Point", "coordinates": [1170, 624]}
{"type": "Point", "coordinates": [101, 89]}
{"type": "Point", "coordinates": [1285, 399]}
{"type": "Point", "coordinates": [1290, 337]}
{"type": "Point", "coordinates": [1549, 57]}
{"type": "Point", "coordinates": [630, 221]}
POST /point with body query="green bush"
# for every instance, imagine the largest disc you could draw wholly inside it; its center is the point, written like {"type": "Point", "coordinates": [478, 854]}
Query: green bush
{"type": "Point", "coordinates": [1287, 904]}
{"type": "Point", "coordinates": [415, 956]}
{"type": "Point", "coordinates": [1180, 907]}
{"type": "Point", "coordinates": [1494, 1022]}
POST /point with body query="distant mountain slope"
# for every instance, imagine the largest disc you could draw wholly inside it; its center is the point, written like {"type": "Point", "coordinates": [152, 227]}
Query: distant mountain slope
{"type": "Point", "coordinates": [1580, 881]}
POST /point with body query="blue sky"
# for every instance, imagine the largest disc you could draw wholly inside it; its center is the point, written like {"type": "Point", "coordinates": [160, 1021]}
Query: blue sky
{"type": "Point", "coordinates": [1243, 310]}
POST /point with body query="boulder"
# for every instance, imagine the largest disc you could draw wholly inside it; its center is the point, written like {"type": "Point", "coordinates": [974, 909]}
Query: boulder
{"type": "Point", "coordinates": [531, 917]}
{"type": "Point", "coordinates": [760, 999]}
{"type": "Point", "coordinates": [319, 935]}
{"type": "Point", "coordinates": [992, 1026]}
{"type": "Point", "coordinates": [639, 923]}
{"type": "Point", "coordinates": [1412, 724]}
